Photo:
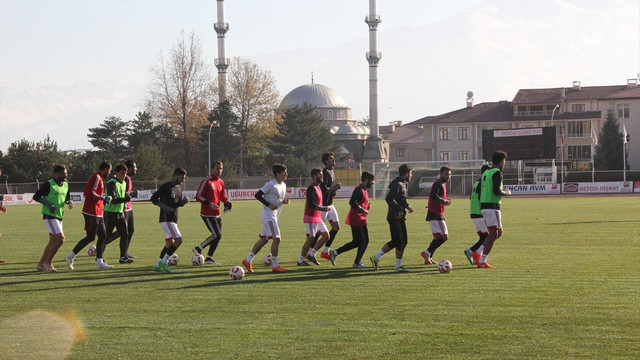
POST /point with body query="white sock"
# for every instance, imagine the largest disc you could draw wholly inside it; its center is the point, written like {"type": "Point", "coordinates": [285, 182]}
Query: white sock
{"type": "Point", "coordinates": [274, 261]}
{"type": "Point", "coordinates": [326, 249]}
{"type": "Point", "coordinates": [72, 255]}
{"type": "Point", "coordinates": [100, 260]}
{"type": "Point", "coordinates": [399, 263]}
{"type": "Point", "coordinates": [250, 257]}
{"type": "Point", "coordinates": [312, 252]}
{"type": "Point", "coordinates": [301, 259]}
{"type": "Point", "coordinates": [427, 253]}
{"type": "Point", "coordinates": [483, 259]}
{"type": "Point", "coordinates": [166, 258]}
{"type": "Point", "coordinates": [158, 262]}
{"type": "Point", "coordinates": [379, 254]}
{"type": "Point", "coordinates": [480, 249]}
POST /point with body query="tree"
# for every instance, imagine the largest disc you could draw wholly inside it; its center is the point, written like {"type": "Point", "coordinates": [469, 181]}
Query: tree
{"type": "Point", "coordinates": [144, 130]}
{"type": "Point", "coordinates": [180, 89]}
{"type": "Point", "coordinates": [301, 135]}
{"type": "Point", "coordinates": [111, 137]}
{"type": "Point", "coordinates": [253, 95]}
{"type": "Point", "coordinates": [225, 134]}
{"type": "Point", "coordinates": [609, 149]}
{"type": "Point", "coordinates": [26, 161]}
{"type": "Point", "coordinates": [151, 163]}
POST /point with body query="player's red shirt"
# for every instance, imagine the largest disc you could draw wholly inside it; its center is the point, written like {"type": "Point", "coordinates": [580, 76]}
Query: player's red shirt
{"type": "Point", "coordinates": [129, 187]}
{"type": "Point", "coordinates": [211, 190]}
{"type": "Point", "coordinates": [91, 205]}
{"type": "Point", "coordinates": [358, 197]}
{"type": "Point", "coordinates": [437, 196]}
{"type": "Point", "coordinates": [313, 202]}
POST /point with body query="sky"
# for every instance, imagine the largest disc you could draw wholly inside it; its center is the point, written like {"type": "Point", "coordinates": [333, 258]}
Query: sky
{"type": "Point", "coordinates": [430, 49]}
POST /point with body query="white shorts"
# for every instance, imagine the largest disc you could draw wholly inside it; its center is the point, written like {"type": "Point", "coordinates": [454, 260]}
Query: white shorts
{"type": "Point", "coordinates": [171, 230]}
{"type": "Point", "coordinates": [493, 218]}
{"type": "Point", "coordinates": [438, 227]}
{"type": "Point", "coordinates": [331, 215]}
{"type": "Point", "coordinates": [481, 227]}
{"type": "Point", "coordinates": [315, 228]}
{"type": "Point", "coordinates": [270, 230]}
{"type": "Point", "coordinates": [54, 226]}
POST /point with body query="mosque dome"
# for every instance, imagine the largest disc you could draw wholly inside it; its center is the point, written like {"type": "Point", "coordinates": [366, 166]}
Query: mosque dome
{"type": "Point", "coordinates": [316, 95]}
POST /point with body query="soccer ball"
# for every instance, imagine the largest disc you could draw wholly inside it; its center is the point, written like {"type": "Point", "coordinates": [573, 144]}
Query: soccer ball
{"type": "Point", "coordinates": [444, 266]}
{"type": "Point", "coordinates": [173, 260]}
{"type": "Point", "coordinates": [268, 260]}
{"type": "Point", "coordinates": [92, 250]}
{"type": "Point", "coordinates": [236, 273]}
{"type": "Point", "coordinates": [197, 260]}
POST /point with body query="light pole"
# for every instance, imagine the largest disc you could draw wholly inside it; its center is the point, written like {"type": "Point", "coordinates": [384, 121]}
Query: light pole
{"type": "Point", "coordinates": [209, 163]}
{"type": "Point", "coordinates": [554, 176]}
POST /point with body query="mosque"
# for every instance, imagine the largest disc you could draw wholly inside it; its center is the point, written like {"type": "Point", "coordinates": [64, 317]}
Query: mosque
{"type": "Point", "coordinates": [335, 113]}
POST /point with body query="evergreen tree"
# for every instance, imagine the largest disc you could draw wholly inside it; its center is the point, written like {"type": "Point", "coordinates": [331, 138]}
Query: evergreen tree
{"type": "Point", "coordinates": [610, 145]}
{"type": "Point", "coordinates": [111, 137]}
{"type": "Point", "coordinates": [225, 135]}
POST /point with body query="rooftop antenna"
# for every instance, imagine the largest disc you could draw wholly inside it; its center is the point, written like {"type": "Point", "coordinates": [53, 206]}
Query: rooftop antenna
{"type": "Point", "coordinates": [312, 77]}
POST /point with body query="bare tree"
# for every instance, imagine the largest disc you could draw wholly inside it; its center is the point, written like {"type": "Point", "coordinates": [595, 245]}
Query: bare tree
{"type": "Point", "coordinates": [180, 90]}
{"type": "Point", "coordinates": [254, 96]}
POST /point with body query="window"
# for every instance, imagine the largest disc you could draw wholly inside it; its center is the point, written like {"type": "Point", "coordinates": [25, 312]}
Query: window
{"type": "Point", "coordinates": [463, 155]}
{"type": "Point", "coordinates": [463, 133]}
{"type": "Point", "coordinates": [623, 111]}
{"type": "Point", "coordinates": [521, 110]}
{"type": "Point", "coordinates": [330, 114]}
{"type": "Point", "coordinates": [444, 155]}
{"type": "Point", "coordinates": [578, 128]}
{"type": "Point", "coordinates": [400, 152]}
{"type": "Point", "coordinates": [579, 152]}
{"type": "Point", "coordinates": [341, 114]}
{"type": "Point", "coordinates": [536, 110]}
{"type": "Point", "coordinates": [577, 108]}
{"type": "Point", "coordinates": [445, 133]}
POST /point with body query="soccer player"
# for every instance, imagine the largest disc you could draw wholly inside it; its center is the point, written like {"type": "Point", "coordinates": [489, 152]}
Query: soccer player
{"type": "Point", "coordinates": [329, 187]}
{"type": "Point", "coordinates": [491, 194]}
{"type": "Point", "coordinates": [357, 219]}
{"type": "Point", "coordinates": [132, 169]}
{"type": "Point", "coordinates": [478, 222]}
{"type": "Point", "coordinates": [114, 216]}
{"type": "Point", "coordinates": [53, 195]}
{"type": "Point", "coordinates": [272, 195]}
{"type": "Point", "coordinates": [210, 194]}
{"type": "Point", "coordinates": [435, 214]}
{"type": "Point", "coordinates": [92, 210]}
{"type": "Point", "coordinates": [169, 198]}
{"type": "Point", "coordinates": [396, 215]}
{"type": "Point", "coordinates": [3, 209]}
{"type": "Point", "coordinates": [313, 220]}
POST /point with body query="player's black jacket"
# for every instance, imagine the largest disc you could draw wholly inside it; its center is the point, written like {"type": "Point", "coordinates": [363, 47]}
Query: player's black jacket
{"type": "Point", "coordinates": [327, 186]}
{"type": "Point", "coordinates": [169, 194]}
{"type": "Point", "coordinates": [397, 199]}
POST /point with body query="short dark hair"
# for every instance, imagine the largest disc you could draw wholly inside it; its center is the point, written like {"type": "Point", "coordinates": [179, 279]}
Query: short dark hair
{"type": "Point", "coordinates": [121, 167]}
{"type": "Point", "coordinates": [498, 156]}
{"type": "Point", "coordinates": [216, 163]}
{"type": "Point", "coordinates": [104, 165]}
{"type": "Point", "coordinates": [444, 168]}
{"type": "Point", "coordinates": [129, 163]}
{"type": "Point", "coordinates": [315, 171]}
{"type": "Point", "coordinates": [484, 168]}
{"type": "Point", "coordinates": [404, 169]}
{"type": "Point", "coordinates": [366, 176]}
{"type": "Point", "coordinates": [179, 171]}
{"type": "Point", "coordinates": [278, 168]}
{"type": "Point", "coordinates": [326, 156]}
{"type": "Point", "coordinates": [59, 169]}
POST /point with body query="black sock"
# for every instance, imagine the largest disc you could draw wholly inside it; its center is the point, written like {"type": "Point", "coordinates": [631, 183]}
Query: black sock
{"type": "Point", "coordinates": [477, 245]}
{"type": "Point", "coordinates": [172, 249]}
{"type": "Point", "coordinates": [332, 236]}
{"type": "Point", "coordinates": [434, 245]}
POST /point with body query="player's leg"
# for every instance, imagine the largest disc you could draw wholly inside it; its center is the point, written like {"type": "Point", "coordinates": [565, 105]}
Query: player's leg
{"type": "Point", "coordinates": [403, 240]}
{"type": "Point", "coordinates": [363, 243]}
{"type": "Point", "coordinates": [334, 222]}
{"type": "Point", "coordinates": [123, 230]}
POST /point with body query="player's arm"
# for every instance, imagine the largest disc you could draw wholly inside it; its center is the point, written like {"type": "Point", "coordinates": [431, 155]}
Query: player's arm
{"type": "Point", "coordinates": [356, 197]}
{"type": "Point", "coordinates": [111, 192]}
{"type": "Point", "coordinates": [436, 191]}
{"type": "Point", "coordinates": [392, 195]}
{"type": "Point", "coordinates": [311, 201]}
{"type": "Point", "coordinates": [41, 193]}
{"type": "Point", "coordinates": [155, 199]}
{"type": "Point", "coordinates": [260, 196]}
{"type": "Point", "coordinates": [497, 180]}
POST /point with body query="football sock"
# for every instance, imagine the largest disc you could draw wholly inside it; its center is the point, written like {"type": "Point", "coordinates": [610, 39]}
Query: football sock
{"type": "Point", "coordinates": [326, 249]}
{"type": "Point", "coordinates": [480, 249]}
{"type": "Point", "coordinates": [483, 259]}
{"type": "Point", "coordinates": [250, 257]}
{"type": "Point", "coordinates": [332, 236]}
{"type": "Point", "coordinates": [427, 253]}
{"type": "Point", "coordinates": [165, 258]}
{"type": "Point", "coordinates": [312, 252]}
{"type": "Point", "coordinates": [74, 254]}
{"type": "Point", "coordinates": [435, 244]}
{"type": "Point", "coordinates": [478, 244]}
{"type": "Point", "coordinates": [171, 250]}
{"type": "Point", "coordinates": [398, 263]}
{"type": "Point", "coordinates": [274, 260]}
{"type": "Point", "coordinates": [158, 262]}
{"type": "Point", "coordinates": [301, 259]}
{"type": "Point", "coordinates": [379, 254]}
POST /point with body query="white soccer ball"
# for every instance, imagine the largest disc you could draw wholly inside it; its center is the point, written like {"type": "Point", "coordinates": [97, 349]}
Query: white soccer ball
{"type": "Point", "coordinates": [173, 260]}
{"type": "Point", "coordinates": [236, 273]}
{"type": "Point", "coordinates": [268, 260]}
{"type": "Point", "coordinates": [444, 266]}
{"type": "Point", "coordinates": [197, 260]}
{"type": "Point", "coordinates": [92, 250]}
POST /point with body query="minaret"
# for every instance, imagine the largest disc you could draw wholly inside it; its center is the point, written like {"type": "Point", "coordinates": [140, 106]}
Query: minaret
{"type": "Point", "coordinates": [222, 63]}
{"type": "Point", "coordinates": [375, 149]}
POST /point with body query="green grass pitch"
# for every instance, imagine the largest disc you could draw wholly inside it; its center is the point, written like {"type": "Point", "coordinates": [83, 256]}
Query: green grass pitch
{"type": "Point", "coordinates": [566, 286]}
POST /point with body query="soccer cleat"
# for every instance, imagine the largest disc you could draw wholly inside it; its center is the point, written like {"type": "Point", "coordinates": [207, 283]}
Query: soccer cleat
{"type": "Point", "coordinates": [325, 255]}
{"type": "Point", "coordinates": [157, 268]}
{"type": "Point", "coordinates": [164, 267]}
{"type": "Point", "coordinates": [103, 265]}
{"type": "Point", "coordinates": [476, 257]}
{"type": "Point", "coordinates": [247, 265]}
{"type": "Point", "coordinates": [486, 265]}
{"type": "Point", "coordinates": [303, 263]}
{"type": "Point", "coordinates": [197, 251]}
{"type": "Point", "coordinates": [130, 256]}
{"type": "Point", "coordinates": [2, 261]}
{"type": "Point", "coordinates": [469, 255]}
{"type": "Point", "coordinates": [70, 257]}
{"type": "Point", "coordinates": [427, 260]}
{"type": "Point", "coordinates": [279, 269]}
{"type": "Point", "coordinates": [125, 260]}
{"type": "Point", "coordinates": [402, 270]}
{"type": "Point", "coordinates": [313, 259]}
{"type": "Point", "coordinates": [210, 261]}
{"type": "Point", "coordinates": [359, 266]}
{"type": "Point", "coordinates": [374, 262]}
{"type": "Point", "coordinates": [332, 256]}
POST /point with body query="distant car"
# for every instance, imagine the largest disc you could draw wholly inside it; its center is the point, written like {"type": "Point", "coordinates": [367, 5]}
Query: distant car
{"type": "Point", "coordinates": [425, 183]}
